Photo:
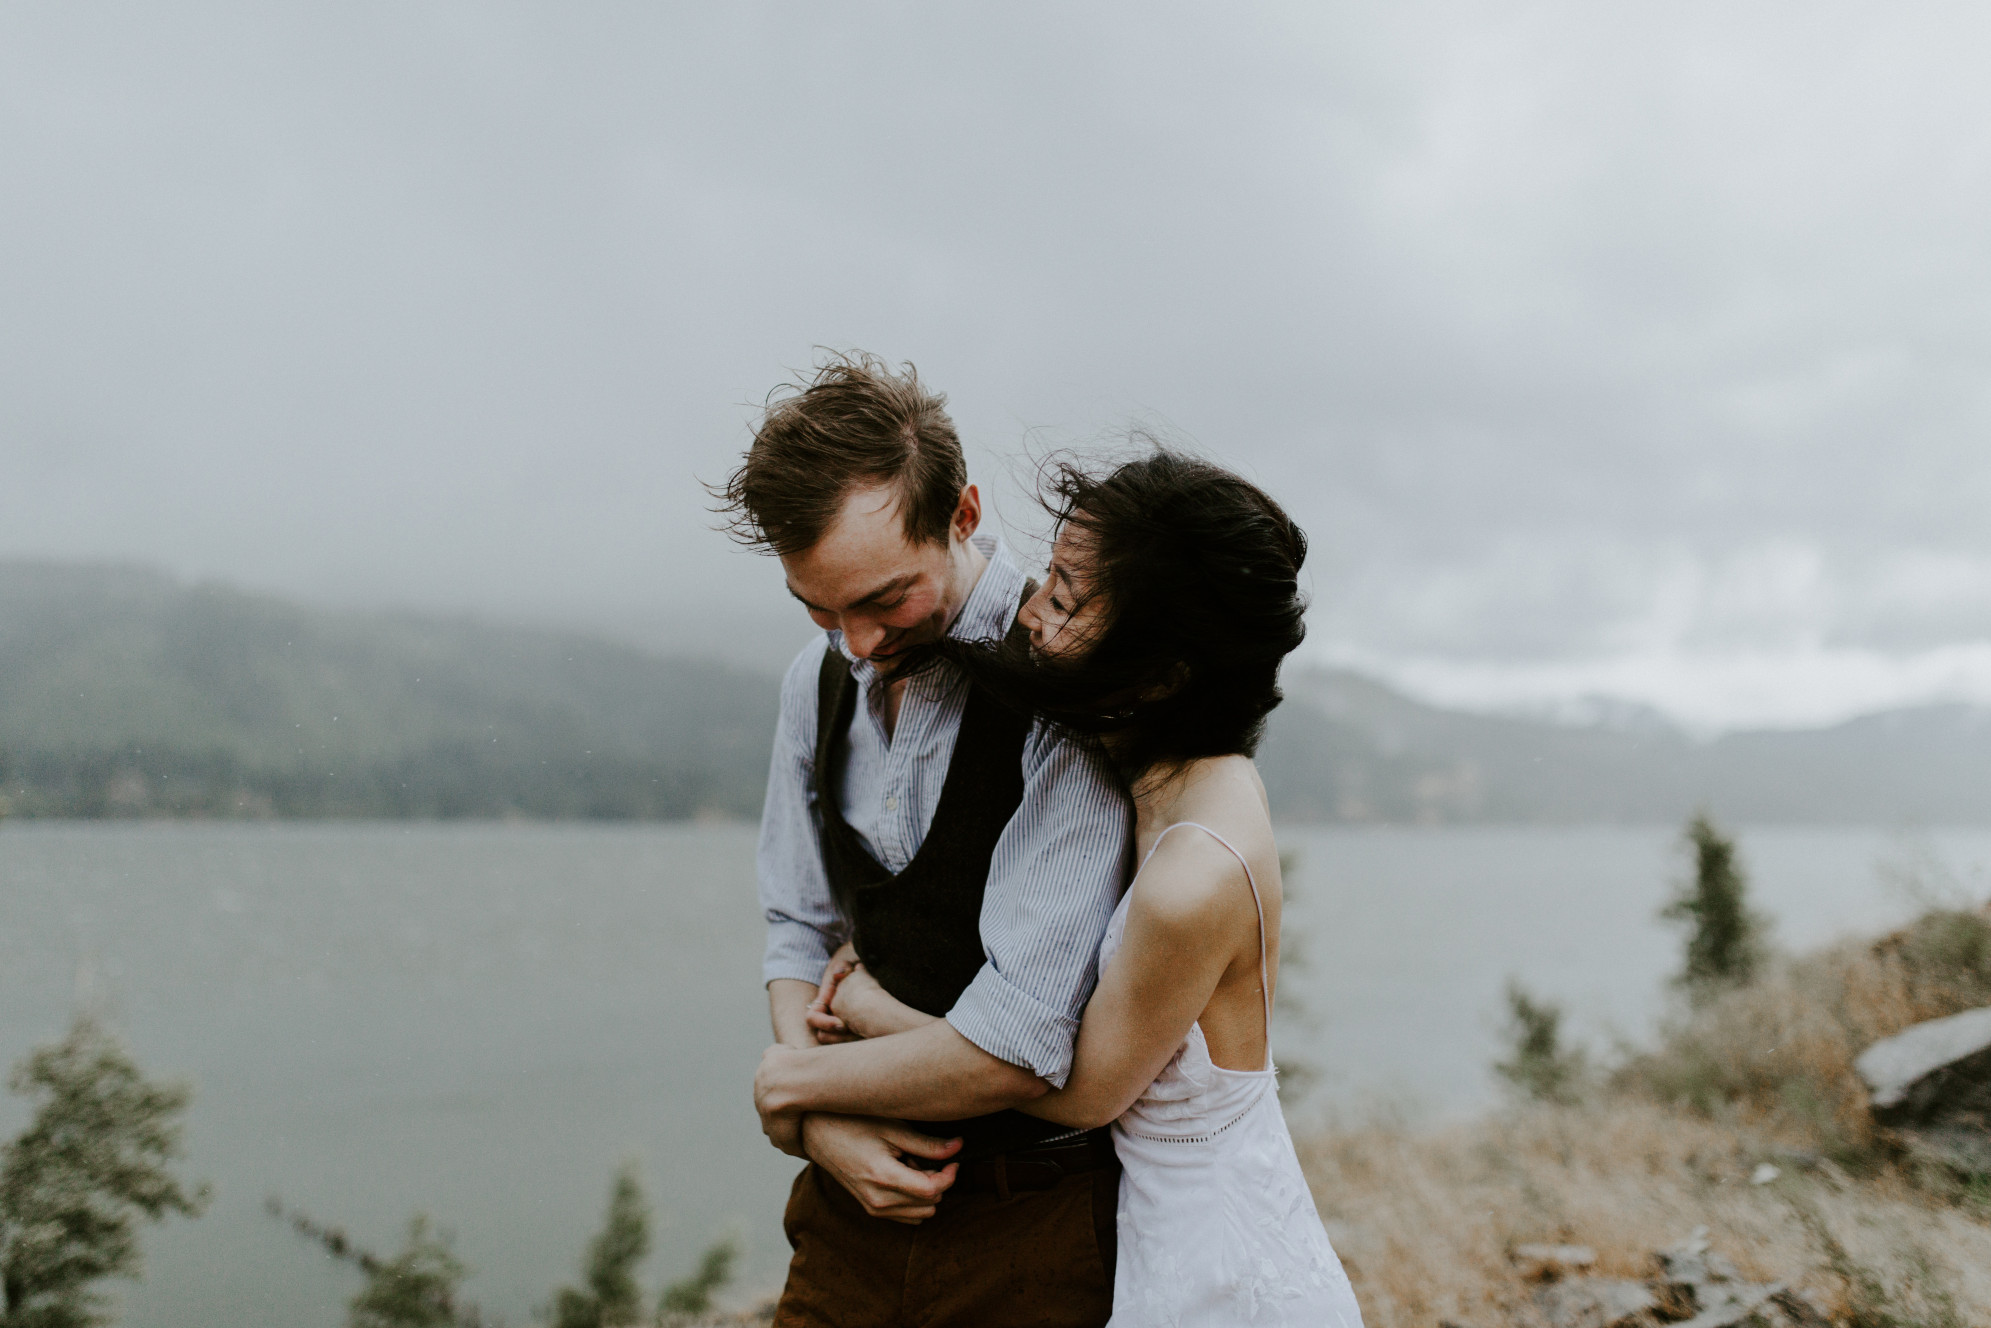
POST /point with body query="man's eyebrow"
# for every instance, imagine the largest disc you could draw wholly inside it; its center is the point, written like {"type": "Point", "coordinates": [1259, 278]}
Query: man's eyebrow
{"type": "Point", "coordinates": [813, 608]}
{"type": "Point", "coordinates": [896, 583]}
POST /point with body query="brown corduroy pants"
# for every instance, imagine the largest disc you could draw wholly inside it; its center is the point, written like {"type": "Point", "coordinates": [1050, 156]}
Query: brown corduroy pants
{"type": "Point", "coordinates": [1038, 1259]}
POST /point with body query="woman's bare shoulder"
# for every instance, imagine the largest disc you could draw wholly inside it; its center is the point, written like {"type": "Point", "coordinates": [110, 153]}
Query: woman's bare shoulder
{"type": "Point", "coordinates": [1193, 877]}
{"type": "Point", "coordinates": [1228, 799]}
{"type": "Point", "coordinates": [1191, 883]}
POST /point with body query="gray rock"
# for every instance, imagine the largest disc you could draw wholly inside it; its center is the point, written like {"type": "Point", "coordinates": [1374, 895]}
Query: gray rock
{"type": "Point", "coordinates": [1539, 1262]}
{"type": "Point", "coordinates": [1961, 1144]}
{"type": "Point", "coordinates": [1595, 1302]}
{"type": "Point", "coordinates": [1695, 1278]}
{"type": "Point", "coordinates": [1723, 1305]}
{"type": "Point", "coordinates": [1921, 1073]}
{"type": "Point", "coordinates": [1691, 1265]}
{"type": "Point", "coordinates": [1800, 1310]}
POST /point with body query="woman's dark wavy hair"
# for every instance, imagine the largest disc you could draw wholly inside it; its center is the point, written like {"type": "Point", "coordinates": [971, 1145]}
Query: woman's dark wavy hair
{"type": "Point", "coordinates": [1199, 573]}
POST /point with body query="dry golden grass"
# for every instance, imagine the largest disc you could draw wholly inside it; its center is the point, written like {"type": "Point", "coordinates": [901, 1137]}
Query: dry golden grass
{"type": "Point", "coordinates": [1425, 1220]}
{"type": "Point", "coordinates": [1778, 1055]}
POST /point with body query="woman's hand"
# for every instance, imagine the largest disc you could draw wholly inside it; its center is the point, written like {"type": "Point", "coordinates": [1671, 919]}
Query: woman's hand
{"type": "Point", "coordinates": [828, 1027]}
{"type": "Point", "coordinates": [864, 1008]}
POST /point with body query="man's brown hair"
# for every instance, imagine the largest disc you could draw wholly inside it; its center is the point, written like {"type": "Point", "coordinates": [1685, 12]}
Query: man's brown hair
{"type": "Point", "coordinates": [856, 423]}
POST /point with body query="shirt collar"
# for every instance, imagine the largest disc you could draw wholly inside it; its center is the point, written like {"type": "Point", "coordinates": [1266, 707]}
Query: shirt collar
{"type": "Point", "coordinates": [992, 604]}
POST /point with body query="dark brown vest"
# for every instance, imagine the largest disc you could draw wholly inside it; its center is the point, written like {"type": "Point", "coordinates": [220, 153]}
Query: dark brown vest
{"type": "Point", "coordinates": [920, 932]}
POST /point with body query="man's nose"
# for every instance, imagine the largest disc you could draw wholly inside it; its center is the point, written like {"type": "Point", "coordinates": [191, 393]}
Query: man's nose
{"type": "Point", "coordinates": [862, 636]}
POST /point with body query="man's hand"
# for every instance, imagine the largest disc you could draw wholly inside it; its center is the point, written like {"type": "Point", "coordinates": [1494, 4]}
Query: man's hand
{"type": "Point", "coordinates": [866, 1155]}
{"type": "Point", "coordinates": [785, 1133]}
{"type": "Point", "coordinates": [828, 1027]}
{"type": "Point", "coordinates": [780, 1122]}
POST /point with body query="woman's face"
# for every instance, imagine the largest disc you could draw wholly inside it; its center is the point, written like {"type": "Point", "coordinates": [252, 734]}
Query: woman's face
{"type": "Point", "coordinates": [1067, 613]}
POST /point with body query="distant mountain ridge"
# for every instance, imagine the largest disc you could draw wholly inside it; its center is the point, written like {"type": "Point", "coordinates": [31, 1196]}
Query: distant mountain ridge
{"type": "Point", "coordinates": [124, 692]}
{"type": "Point", "coordinates": [1347, 748]}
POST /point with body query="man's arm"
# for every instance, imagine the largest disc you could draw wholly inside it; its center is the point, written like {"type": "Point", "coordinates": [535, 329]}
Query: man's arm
{"type": "Point", "coordinates": [930, 1073]}
{"type": "Point", "coordinates": [1054, 879]}
{"type": "Point", "coordinates": [788, 1001]}
{"type": "Point", "coordinates": [865, 1155]}
{"type": "Point", "coordinates": [803, 925]}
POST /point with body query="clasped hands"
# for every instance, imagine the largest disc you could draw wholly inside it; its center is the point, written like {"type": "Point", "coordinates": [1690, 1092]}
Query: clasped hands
{"type": "Point", "coordinates": [847, 1005]}
{"type": "Point", "coordinates": [868, 1155]}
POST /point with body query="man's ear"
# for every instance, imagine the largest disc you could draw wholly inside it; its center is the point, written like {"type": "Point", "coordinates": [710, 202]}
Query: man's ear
{"type": "Point", "coordinates": [967, 514]}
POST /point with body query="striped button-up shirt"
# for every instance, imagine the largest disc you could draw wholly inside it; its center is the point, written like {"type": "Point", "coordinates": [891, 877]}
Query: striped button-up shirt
{"type": "Point", "coordinates": [1053, 880]}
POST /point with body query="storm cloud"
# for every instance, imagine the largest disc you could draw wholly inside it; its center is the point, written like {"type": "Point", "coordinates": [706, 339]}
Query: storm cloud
{"type": "Point", "coordinates": [1634, 349]}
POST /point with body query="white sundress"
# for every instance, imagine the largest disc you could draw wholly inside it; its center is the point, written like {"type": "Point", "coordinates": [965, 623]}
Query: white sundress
{"type": "Point", "coordinates": [1216, 1225]}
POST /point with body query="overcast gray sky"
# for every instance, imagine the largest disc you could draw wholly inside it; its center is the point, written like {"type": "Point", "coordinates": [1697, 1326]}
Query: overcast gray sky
{"type": "Point", "coordinates": [1625, 348]}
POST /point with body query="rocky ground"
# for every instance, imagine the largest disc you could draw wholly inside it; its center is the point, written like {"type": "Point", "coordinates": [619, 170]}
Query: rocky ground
{"type": "Point", "coordinates": [1743, 1170]}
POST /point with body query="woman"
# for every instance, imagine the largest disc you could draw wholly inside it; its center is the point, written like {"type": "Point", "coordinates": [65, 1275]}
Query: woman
{"type": "Point", "coordinates": [1171, 599]}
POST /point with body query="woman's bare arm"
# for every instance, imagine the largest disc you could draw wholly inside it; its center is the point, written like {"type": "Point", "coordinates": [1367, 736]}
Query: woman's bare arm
{"type": "Point", "coordinates": [863, 1006]}
{"type": "Point", "coordinates": [1189, 913]}
{"type": "Point", "coordinates": [1183, 928]}
{"type": "Point", "coordinates": [929, 1073]}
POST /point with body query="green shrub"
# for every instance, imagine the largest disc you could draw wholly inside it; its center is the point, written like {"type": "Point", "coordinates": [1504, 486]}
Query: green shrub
{"type": "Point", "coordinates": [415, 1289]}
{"type": "Point", "coordinates": [1538, 1066]}
{"type": "Point", "coordinates": [1724, 940]}
{"type": "Point", "coordinates": [612, 1299]}
{"type": "Point", "coordinates": [693, 1295]}
{"type": "Point", "coordinates": [1947, 955]}
{"type": "Point", "coordinates": [91, 1162]}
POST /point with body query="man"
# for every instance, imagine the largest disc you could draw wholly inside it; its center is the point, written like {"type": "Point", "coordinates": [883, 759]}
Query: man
{"type": "Point", "coordinates": [972, 857]}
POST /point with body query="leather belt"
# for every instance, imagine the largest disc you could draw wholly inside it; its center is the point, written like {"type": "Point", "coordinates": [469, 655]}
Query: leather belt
{"type": "Point", "coordinates": [1036, 1168]}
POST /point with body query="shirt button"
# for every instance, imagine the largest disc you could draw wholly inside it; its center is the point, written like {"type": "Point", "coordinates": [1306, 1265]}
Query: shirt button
{"type": "Point", "coordinates": [891, 804]}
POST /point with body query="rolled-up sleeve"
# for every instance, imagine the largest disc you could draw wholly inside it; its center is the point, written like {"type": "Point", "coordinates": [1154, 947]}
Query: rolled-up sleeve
{"type": "Point", "coordinates": [803, 926]}
{"type": "Point", "coordinates": [1053, 883]}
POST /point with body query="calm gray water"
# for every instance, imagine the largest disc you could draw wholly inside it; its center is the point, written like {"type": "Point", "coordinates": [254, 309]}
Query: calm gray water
{"type": "Point", "coordinates": [482, 1021]}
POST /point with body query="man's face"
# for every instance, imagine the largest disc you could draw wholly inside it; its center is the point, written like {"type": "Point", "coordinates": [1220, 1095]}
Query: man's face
{"type": "Point", "coordinates": [885, 593]}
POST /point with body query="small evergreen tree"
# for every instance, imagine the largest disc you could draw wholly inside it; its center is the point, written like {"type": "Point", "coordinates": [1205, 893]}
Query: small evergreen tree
{"type": "Point", "coordinates": [693, 1295]}
{"type": "Point", "coordinates": [1538, 1066]}
{"type": "Point", "coordinates": [417, 1288]}
{"type": "Point", "coordinates": [611, 1299]}
{"type": "Point", "coordinates": [414, 1289]}
{"type": "Point", "coordinates": [1725, 939]}
{"type": "Point", "coordinates": [91, 1162]}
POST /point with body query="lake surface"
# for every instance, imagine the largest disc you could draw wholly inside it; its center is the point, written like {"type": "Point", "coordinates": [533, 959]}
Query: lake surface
{"type": "Point", "coordinates": [483, 1021]}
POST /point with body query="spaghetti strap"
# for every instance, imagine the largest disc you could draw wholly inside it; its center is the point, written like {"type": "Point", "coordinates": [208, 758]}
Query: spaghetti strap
{"type": "Point", "coordinates": [1264, 964]}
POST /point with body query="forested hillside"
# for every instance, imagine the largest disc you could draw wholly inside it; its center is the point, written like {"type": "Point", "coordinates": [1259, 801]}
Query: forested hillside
{"type": "Point", "coordinates": [123, 692]}
{"type": "Point", "coordinates": [126, 693]}
{"type": "Point", "coordinates": [1346, 748]}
